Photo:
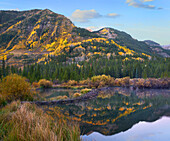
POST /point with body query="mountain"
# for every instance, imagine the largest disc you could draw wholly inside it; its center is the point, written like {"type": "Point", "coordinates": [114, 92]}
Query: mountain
{"type": "Point", "coordinates": [157, 48]}
{"type": "Point", "coordinates": [31, 36]}
{"type": "Point", "coordinates": [166, 47]}
{"type": "Point", "coordinates": [151, 43]}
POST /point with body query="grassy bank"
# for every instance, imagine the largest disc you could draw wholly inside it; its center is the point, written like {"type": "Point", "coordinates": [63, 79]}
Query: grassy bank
{"type": "Point", "coordinates": [27, 122]}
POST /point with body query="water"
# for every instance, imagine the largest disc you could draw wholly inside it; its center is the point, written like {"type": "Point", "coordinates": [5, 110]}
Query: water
{"type": "Point", "coordinates": [142, 131]}
{"type": "Point", "coordinates": [121, 114]}
{"type": "Point", "coordinates": [52, 94]}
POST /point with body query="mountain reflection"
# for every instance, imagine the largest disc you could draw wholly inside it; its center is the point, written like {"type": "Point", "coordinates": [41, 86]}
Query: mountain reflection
{"type": "Point", "coordinates": [118, 109]}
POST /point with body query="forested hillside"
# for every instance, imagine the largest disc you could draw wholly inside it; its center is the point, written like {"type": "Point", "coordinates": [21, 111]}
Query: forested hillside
{"type": "Point", "coordinates": [32, 36]}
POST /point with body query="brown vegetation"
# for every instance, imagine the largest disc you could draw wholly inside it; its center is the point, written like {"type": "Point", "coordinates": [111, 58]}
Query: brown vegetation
{"type": "Point", "coordinates": [108, 81]}
{"type": "Point", "coordinates": [84, 91]}
{"type": "Point", "coordinates": [61, 97]}
{"type": "Point", "coordinates": [15, 87]}
{"type": "Point", "coordinates": [76, 95]}
{"type": "Point", "coordinates": [45, 83]}
{"type": "Point", "coordinates": [35, 85]}
{"type": "Point", "coordinates": [28, 122]}
{"type": "Point", "coordinates": [72, 83]}
{"type": "Point", "coordinates": [101, 81]}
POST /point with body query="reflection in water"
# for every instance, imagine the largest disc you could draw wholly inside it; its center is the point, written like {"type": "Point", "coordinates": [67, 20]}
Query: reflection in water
{"type": "Point", "coordinates": [117, 109]}
{"type": "Point", "coordinates": [143, 131]}
{"type": "Point", "coordinates": [51, 94]}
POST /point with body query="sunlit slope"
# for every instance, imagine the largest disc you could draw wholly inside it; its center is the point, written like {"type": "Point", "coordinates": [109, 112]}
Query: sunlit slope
{"type": "Point", "coordinates": [31, 36]}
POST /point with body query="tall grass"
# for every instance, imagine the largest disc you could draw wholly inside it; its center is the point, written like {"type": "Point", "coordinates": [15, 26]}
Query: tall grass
{"type": "Point", "coordinates": [27, 122]}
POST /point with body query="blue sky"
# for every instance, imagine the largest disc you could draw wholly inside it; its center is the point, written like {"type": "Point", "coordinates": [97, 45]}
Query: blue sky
{"type": "Point", "coordinates": [143, 19]}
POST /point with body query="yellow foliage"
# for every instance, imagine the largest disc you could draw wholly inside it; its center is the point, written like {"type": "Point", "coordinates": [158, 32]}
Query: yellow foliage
{"type": "Point", "coordinates": [146, 55]}
{"type": "Point", "coordinates": [15, 87]}
{"type": "Point", "coordinates": [45, 83]}
{"type": "Point", "coordinates": [14, 25]}
{"type": "Point", "coordinates": [35, 84]}
{"type": "Point", "coordinates": [77, 95]}
{"type": "Point", "coordinates": [62, 97]}
{"type": "Point", "coordinates": [121, 53]}
{"type": "Point", "coordinates": [121, 109]}
{"type": "Point", "coordinates": [72, 82]}
{"type": "Point", "coordinates": [99, 53]}
{"type": "Point", "coordinates": [84, 91]}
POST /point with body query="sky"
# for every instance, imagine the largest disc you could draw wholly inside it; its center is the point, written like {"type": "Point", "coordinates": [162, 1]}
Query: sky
{"type": "Point", "coordinates": [142, 19]}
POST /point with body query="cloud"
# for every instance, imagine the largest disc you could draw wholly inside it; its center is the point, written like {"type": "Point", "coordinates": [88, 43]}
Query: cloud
{"type": "Point", "coordinates": [112, 15]}
{"type": "Point", "coordinates": [84, 15]}
{"type": "Point", "coordinates": [141, 4]}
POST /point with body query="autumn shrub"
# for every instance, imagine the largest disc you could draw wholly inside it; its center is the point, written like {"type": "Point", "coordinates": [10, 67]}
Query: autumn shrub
{"type": "Point", "coordinates": [125, 81]}
{"type": "Point", "coordinates": [35, 84]}
{"type": "Point", "coordinates": [151, 83]}
{"type": "Point", "coordinates": [76, 95]}
{"type": "Point", "coordinates": [101, 81]}
{"type": "Point", "coordinates": [61, 97]}
{"type": "Point", "coordinates": [101, 84]}
{"type": "Point", "coordinates": [117, 82]}
{"type": "Point", "coordinates": [45, 83]}
{"type": "Point", "coordinates": [140, 83]}
{"type": "Point", "coordinates": [27, 122]}
{"type": "Point", "coordinates": [84, 91]}
{"type": "Point", "coordinates": [72, 83]}
{"type": "Point", "coordinates": [164, 83]}
{"type": "Point", "coordinates": [85, 82]}
{"type": "Point", "coordinates": [15, 87]}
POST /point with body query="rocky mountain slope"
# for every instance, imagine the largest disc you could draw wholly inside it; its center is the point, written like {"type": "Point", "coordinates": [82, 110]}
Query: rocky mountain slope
{"type": "Point", "coordinates": [157, 48]}
{"type": "Point", "coordinates": [31, 36]}
{"type": "Point", "coordinates": [166, 47]}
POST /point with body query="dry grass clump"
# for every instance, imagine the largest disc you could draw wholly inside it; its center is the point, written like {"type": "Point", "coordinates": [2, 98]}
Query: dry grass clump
{"type": "Point", "coordinates": [26, 122]}
{"type": "Point", "coordinates": [45, 83]}
{"type": "Point", "coordinates": [15, 87]}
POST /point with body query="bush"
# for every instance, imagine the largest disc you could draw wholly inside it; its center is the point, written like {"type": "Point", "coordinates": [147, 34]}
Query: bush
{"type": "Point", "coordinates": [117, 82]}
{"type": "Point", "coordinates": [15, 87]}
{"type": "Point", "coordinates": [72, 83]}
{"type": "Point", "coordinates": [27, 122]}
{"type": "Point", "coordinates": [101, 81]}
{"type": "Point", "coordinates": [62, 97]}
{"type": "Point", "coordinates": [84, 91]}
{"type": "Point", "coordinates": [84, 82]}
{"type": "Point", "coordinates": [151, 83]}
{"type": "Point", "coordinates": [125, 81]}
{"type": "Point", "coordinates": [35, 84]}
{"type": "Point", "coordinates": [45, 83]}
{"type": "Point", "coordinates": [77, 95]}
